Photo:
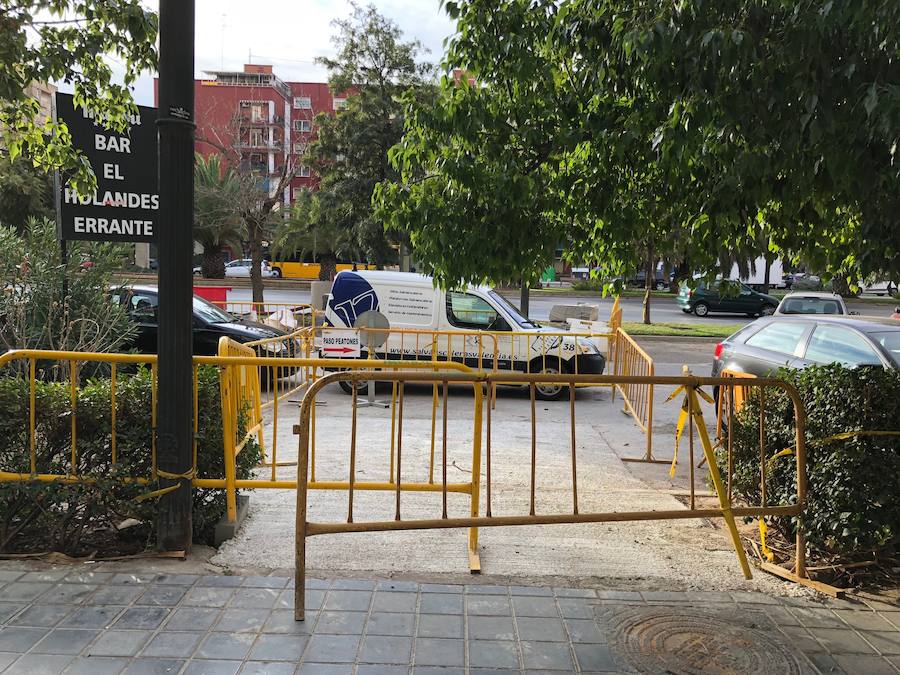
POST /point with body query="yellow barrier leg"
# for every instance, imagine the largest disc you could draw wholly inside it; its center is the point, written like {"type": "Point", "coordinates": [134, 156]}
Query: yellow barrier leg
{"type": "Point", "coordinates": [699, 422]}
{"type": "Point", "coordinates": [474, 558]}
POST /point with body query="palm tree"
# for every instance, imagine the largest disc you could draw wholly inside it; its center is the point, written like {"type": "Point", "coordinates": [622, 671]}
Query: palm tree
{"type": "Point", "coordinates": [217, 220]}
{"type": "Point", "coordinates": [316, 228]}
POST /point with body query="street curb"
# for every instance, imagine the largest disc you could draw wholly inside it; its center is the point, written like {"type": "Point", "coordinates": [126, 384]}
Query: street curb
{"type": "Point", "coordinates": [663, 338]}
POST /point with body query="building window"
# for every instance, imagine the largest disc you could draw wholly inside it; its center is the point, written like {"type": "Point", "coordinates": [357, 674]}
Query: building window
{"type": "Point", "coordinates": [256, 138]}
{"type": "Point", "coordinates": [339, 103]}
{"type": "Point", "coordinates": [258, 112]}
{"type": "Point", "coordinates": [298, 148]}
{"type": "Point", "coordinates": [297, 192]}
{"type": "Point", "coordinates": [302, 103]}
{"type": "Point", "coordinates": [302, 125]}
{"type": "Point", "coordinates": [304, 171]}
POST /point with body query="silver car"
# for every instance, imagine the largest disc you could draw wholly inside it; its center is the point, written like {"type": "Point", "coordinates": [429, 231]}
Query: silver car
{"type": "Point", "coordinates": [811, 302]}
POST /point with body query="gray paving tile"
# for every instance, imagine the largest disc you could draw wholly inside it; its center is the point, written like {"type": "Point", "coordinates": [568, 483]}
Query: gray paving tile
{"type": "Point", "coordinates": [65, 641]}
{"type": "Point", "coordinates": [860, 664]}
{"type": "Point", "coordinates": [864, 620]}
{"type": "Point", "coordinates": [177, 579]}
{"type": "Point", "coordinates": [440, 603]}
{"type": "Point", "coordinates": [665, 596]}
{"type": "Point", "coordinates": [489, 605]}
{"type": "Point", "coordinates": [39, 664]}
{"type": "Point", "coordinates": [225, 646]}
{"type": "Point", "coordinates": [341, 623]}
{"type": "Point", "coordinates": [383, 649]}
{"type": "Point", "coordinates": [575, 592]}
{"type": "Point", "coordinates": [10, 575]}
{"type": "Point", "coordinates": [393, 601]}
{"type": "Point", "coordinates": [888, 643]}
{"type": "Point", "coordinates": [439, 652]}
{"type": "Point", "coordinates": [575, 608]}
{"type": "Point", "coordinates": [41, 616]}
{"type": "Point", "coordinates": [314, 599]}
{"type": "Point", "coordinates": [116, 595]}
{"type": "Point", "coordinates": [9, 610]}
{"type": "Point", "coordinates": [392, 624]}
{"type": "Point", "coordinates": [91, 617]}
{"type": "Point", "coordinates": [487, 589]}
{"type": "Point", "coordinates": [25, 591]}
{"type": "Point", "coordinates": [18, 639]}
{"type": "Point", "coordinates": [278, 648]}
{"type": "Point", "coordinates": [585, 630]}
{"type": "Point", "coordinates": [779, 615]}
{"type": "Point", "coordinates": [220, 581]}
{"type": "Point", "coordinates": [171, 644]}
{"type": "Point", "coordinates": [44, 575]}
{"type": "Point", "coordinates": [816, 617]}
{"type": "Point", "coordinates": [547, 655]}
{"type": "Point", "coordinates": [325, 669]}
{"type": "Point", "coordinates": [331, 649]}
{"type": "Point", "coordinates": [825, 663]}
{"type": "Point", "coordinates": [440, 588]}
{"type": "Point", "coordinates": [493, 671]}
{"type": "Point", "coordinates": [254, 598]}
{"type": "Point", "coordinates": [381, 669]}
{"type": "Point", "coordinates": [154, 667]}
{"type": "Point", "coordinates": [265, 582]}
{"type": "Point", "coordinates": [316, 584]}
{"type": "Point", "coordinates": [268, 668]}
{"type": "Point", "coordinates": [436, 670]}
{"type": "Point", "coordinates": [6, 658]}
{"type": "Point", "coordinates": [543, 607]}
{"type": "Point", "coordinates": [401, 586]}
{"type": "Point", "coordinates": [493, 654]}
{"type": "Point", "coordinates": [119, 643]}
{"type": "Point", "coordinates": [142, 617]}
{"type": "Point", "coordinates": [87, 577]}
{"type": "Point", "coordinates": [212, 667]}
{"type": "Point", "coordinates": [161, 596]}
{"type": "Point", "coordinates": [208, 597]}
{"type": "Point", "coordinates": [129, 579]}
{"type": "Point", "coordinates": [97, 665]}
{"type": "Point", "coordinates": [546, 629]}
{"type": "Point", "coordinates": [353, 584]}
{"type": "Point", "coordinates": [491, 628]}
{"type": "Point", "coordinates": [841, 641]}
{"type": "Point", "coordinates": [356, 601]}
{"type": "Point", "coordinates": [595, 658]}
{"type": "Point", "coordinates": [440, 626]}
{"type": "Point", "coordinates": [282, 621]}
{"type": "Point", "coordinates": [193, 618]}
{"type": "Point", "coordinates": [542, 591]}
{"type": "Point", "coordinates": [751, 597]}
{"type": "Point", "coordinates": [242, 620]}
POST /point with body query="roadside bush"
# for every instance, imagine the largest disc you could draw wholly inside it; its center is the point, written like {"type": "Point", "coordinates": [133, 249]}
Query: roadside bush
{"type": "Point", "coordinates": [80, 518]}
{"type": "Point", "coordinates": [853, 490]}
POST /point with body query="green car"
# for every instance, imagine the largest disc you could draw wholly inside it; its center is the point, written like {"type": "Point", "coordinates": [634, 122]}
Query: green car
{"type": "Point", "coordinates": [705, 298]}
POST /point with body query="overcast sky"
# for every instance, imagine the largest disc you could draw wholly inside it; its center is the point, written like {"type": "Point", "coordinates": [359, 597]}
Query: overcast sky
{"type": "Point", "coordinates": [289, 34]}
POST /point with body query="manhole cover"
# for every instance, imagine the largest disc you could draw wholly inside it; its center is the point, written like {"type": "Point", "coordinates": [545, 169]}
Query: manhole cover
{"type": "Point", "coordinates": [684, 641]}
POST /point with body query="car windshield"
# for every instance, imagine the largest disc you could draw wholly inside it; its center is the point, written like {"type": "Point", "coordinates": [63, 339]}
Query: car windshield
{"type": "Point", "coordinates": [512, 311]}
{"type": "Point", "coordinates": [210, 313]}
{"type": "Point", "coordinates": [796, 305]}
{"type": "Point", "coordinates": [890, 342]}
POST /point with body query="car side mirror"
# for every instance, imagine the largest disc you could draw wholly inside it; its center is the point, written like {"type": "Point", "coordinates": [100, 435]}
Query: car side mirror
{"type": "Point", "coordinates": [854, 313]}
{"type": "Point", "coordinates": [499, 325]}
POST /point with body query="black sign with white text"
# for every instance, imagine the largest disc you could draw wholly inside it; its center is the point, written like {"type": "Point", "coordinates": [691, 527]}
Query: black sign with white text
{"type": "Point", "coordinates": [125, 206]}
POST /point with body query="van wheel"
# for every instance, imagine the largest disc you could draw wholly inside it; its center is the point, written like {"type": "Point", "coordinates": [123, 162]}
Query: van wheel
{"type": "Point", "coordinates": [548, 391]}
{"type": "Point", "coordinates": [348, 386]}
{"type": "Point", "coordinates": [701, 309]}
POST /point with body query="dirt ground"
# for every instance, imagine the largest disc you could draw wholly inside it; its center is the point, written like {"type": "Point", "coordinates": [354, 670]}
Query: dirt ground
{"type": "Point", "coordinates": [673, 554]}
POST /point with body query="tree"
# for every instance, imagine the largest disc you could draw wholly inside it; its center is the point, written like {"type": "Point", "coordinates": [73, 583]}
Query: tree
{"type": "Point", "coordinates": [25, 192]}
{"type": "Point", "coordinates": [217, 221]}
{"type": "Point", "coordinates": [64, 40]}
{"type": "Point", "coordinates": [315, 228]}
{"type": "Point", "coordinates": [680, 135]}
{"type": "Point", "coordinates": [374, 66]}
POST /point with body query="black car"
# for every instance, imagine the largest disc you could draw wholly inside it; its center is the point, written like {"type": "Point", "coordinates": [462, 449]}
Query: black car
{"type": "Point", "coordinates": [210, 323]}
{"type": "Point", "coordinates": [782, 341]}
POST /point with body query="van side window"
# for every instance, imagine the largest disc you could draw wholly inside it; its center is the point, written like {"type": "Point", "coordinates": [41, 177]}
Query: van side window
{"type": "Point", "coordinates": [468, 311]}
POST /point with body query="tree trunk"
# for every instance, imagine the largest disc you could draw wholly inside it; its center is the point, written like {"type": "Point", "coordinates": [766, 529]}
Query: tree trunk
{"type": "Point", "coordinates": [766, 275]}
{"type": "Point", "coordinates": [256, 281]}
{"type": "Point", "coordinates": [523, 300]}
{"type": "Point", "coordinates": [327, 267]}
{"type": "Point", "coordinates": [213, 264]}
{"type": "Point", "coordinates": [648, 284]}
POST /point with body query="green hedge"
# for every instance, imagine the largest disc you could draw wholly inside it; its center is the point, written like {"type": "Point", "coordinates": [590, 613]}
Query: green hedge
{"type": "Point", "coordinates": [80, 518]}
{"type": "Point", "coordinates": [853, 484]}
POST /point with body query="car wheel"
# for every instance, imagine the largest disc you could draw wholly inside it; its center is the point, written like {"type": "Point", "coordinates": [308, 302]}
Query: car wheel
{"type": "Point", "coordinates": [768, 310]}
{"type": "Point", "coordinates": [701, 309]}
{"type": "Point", "coordinates": [661, 285]}
{"type": "Point", "coordinates": [276, 272]}
{"type": "Point", "coordinates": [348, 386]}
{"type": "Point", "coordinates": [548, 391]}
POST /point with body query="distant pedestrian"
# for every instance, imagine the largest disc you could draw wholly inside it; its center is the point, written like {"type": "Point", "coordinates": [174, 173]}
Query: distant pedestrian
{"type": "Point", "coordinates": [355, 269]}
{"type": "Point", "coordinates": [896, 314]}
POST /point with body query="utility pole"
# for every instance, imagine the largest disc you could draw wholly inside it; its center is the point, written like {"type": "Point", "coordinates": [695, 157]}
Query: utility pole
{"type": "Point", "coordinates": [174, 443]}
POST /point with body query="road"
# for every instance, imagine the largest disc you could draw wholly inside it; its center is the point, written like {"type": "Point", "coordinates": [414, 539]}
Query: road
{"type": "Point", "coordinates": [662, 310]}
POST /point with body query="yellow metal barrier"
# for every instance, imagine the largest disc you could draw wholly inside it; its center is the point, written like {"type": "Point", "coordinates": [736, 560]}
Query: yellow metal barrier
{"type": "Point", "coordinates": [687, 384]}
{"type": "Point", "coordinates": [629, 359]}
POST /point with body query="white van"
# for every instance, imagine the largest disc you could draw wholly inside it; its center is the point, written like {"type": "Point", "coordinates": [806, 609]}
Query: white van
{"type": "Point", "coordinates": [411, 302]}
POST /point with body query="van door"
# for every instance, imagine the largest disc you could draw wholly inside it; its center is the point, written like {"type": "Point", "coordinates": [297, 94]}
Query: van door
{"type": "Point", "coordinates": [468, 311]}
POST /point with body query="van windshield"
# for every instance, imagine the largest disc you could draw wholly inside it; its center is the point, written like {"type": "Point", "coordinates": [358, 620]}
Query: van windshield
{"type": "Point", "coordinates": [512, 311]}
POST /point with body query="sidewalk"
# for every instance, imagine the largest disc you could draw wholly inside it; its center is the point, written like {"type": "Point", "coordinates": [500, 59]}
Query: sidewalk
{"type": "Point", "coordinates": [66, 621]}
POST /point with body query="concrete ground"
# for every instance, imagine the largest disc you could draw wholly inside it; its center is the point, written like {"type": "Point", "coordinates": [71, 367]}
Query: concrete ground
{"type": "Point", "coordinates": [176, 617]}
{"type": "Point", "coordinates": [682, 554]}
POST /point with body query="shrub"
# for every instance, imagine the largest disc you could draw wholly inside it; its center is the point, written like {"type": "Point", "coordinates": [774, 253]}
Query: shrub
{"type": "Point", "coordinates": [853, 500]}
{"type": "Point", "coordinates": [82, 517]}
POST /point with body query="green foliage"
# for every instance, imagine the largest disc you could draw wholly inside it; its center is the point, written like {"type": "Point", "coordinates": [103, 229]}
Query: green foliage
{"type": "Point", "coordinates": [217, 221]}
{"type": "Point", "coordinates": [373, 67]}
{"type": "Point", "coordinates": [25, 192]}
{"type": "Point", "coordinates": [65, 40]}
{"type": "Point", "coordinates": [78, 518]}
{"type": "Point", "coordinates": [690, 129]}
{"type": "Point", "coordinates": [853, 500]}
{"type": "Point", "coordinates": [35, 313]}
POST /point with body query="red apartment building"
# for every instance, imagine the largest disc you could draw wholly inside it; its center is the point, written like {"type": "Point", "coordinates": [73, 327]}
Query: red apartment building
{"type": "Point", "coordinates": [258, 119]}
